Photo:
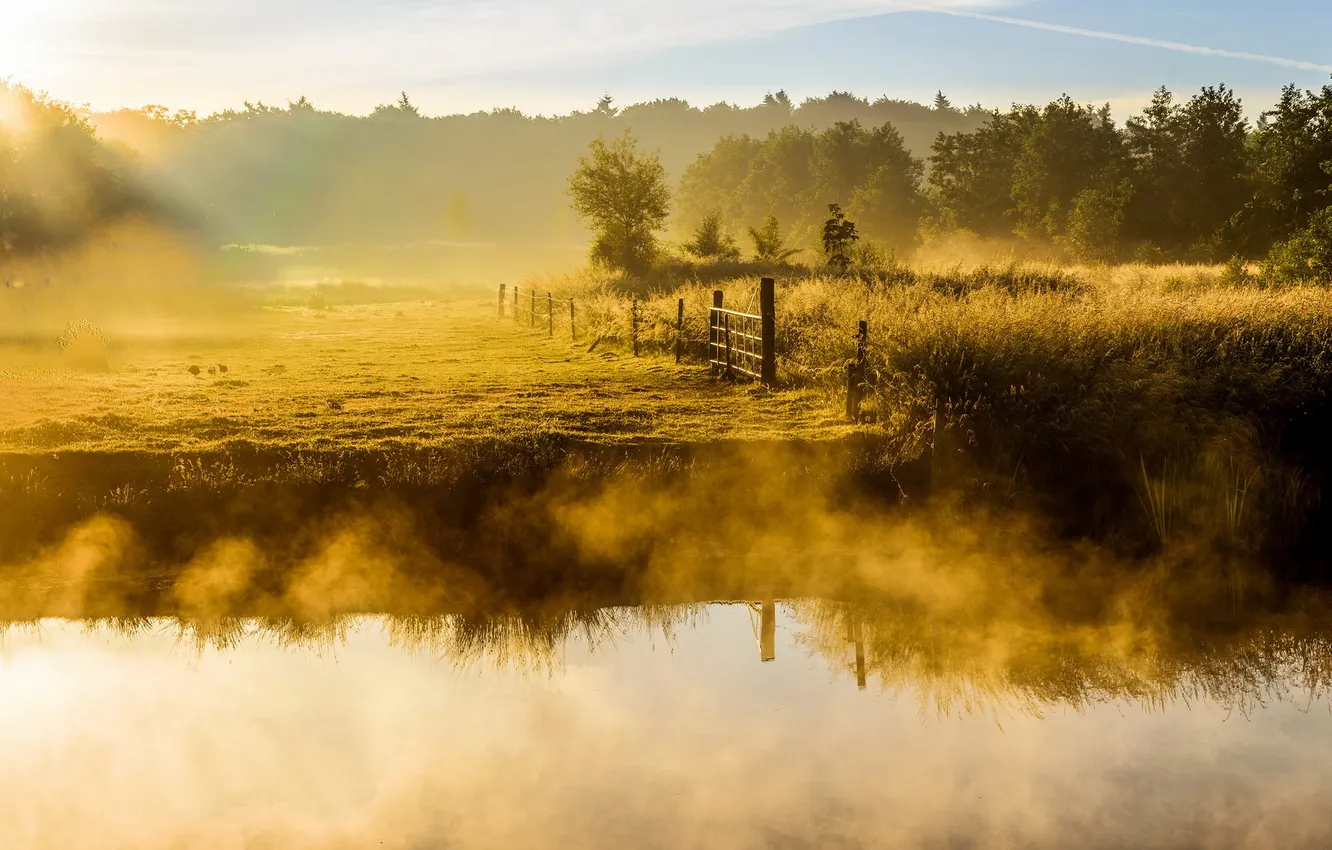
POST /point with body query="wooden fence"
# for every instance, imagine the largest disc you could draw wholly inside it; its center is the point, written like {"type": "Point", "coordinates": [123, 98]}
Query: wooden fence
{"type": "Point", "coordinates": [538, 310]}
{"type": "Point", "coordinates": [738, 344]}
{"type": "Point", "coordinates": [743, 344]}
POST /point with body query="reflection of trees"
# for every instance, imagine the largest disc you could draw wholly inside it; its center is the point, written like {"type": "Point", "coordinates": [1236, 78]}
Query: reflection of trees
{"type": "Point", "coordinates": [996, 664]}
{"type": "Point", "coordinates": [993, 665]}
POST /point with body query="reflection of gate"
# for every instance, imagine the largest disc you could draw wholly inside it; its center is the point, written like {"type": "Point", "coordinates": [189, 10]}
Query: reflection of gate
{"type": "Point", "coordinates": [745, 343]}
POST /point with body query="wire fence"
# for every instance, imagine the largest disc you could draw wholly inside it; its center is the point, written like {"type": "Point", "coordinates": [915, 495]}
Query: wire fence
{"type": "Point", "coordinates": [538, 310]}
{"type": "Point", "coordinates": [738, 344]}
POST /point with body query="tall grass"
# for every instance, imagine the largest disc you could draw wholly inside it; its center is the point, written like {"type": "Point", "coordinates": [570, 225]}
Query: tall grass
{"type": "Point", "coordinates": [1065, 381]}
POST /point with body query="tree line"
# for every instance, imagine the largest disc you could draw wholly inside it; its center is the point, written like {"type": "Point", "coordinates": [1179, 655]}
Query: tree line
{"type": "Point", "coordinates": [301, 175]}
{"type": "Point", "coordinates": [1191, 180]}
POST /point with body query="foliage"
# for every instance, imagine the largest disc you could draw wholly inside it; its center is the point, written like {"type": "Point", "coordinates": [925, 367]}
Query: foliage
{"type": "Point", "coordinates": [1095, 224]}
{"type": "Point", "coordinates": [1305, 257]}
{"type": "Point", "coordinates": [58, 182]}
{"type": "Point", "coordinates": [769, 243]}
{"type": "Point", "coordinates": [623, 194]}
{"type": "Point", "coordinates": [711, 242]}
{"type": "Point", "coordinates": [788, 174]}
{"type": "Point", "coordinates": [838, 235]}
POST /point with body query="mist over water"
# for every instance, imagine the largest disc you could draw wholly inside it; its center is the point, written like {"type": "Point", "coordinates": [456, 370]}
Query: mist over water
{"type": "Point", "coordinates": [131, 734]}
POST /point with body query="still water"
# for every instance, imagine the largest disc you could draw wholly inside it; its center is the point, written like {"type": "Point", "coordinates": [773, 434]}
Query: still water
{"type": "Point", "coordinates": [794, 724]}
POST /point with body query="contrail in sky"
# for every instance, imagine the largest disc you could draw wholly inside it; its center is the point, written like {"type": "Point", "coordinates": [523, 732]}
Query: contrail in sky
{"type": "Point", "coordinates": [1134, 39]}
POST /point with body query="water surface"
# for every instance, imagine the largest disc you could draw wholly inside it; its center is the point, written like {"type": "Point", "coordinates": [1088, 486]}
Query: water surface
{"type": "Point", "coordinates": [799, 724]}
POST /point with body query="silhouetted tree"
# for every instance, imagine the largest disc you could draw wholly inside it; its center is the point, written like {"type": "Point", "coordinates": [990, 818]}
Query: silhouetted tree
{"type": "Point", "coordinates": [769, 243]}
{"type": "Point", "coordinates": [711, 242]}
{"type": "Point", "coordinates": [623, 194]}
{"type": "Point", "coordinates": [838, 236]}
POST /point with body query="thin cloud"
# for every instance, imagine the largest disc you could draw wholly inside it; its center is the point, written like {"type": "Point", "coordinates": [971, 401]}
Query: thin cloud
{"type": "Point", "coordinates": [1177, 46]}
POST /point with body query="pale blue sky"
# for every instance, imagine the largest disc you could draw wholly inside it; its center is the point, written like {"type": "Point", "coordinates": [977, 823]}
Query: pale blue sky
{"type": "Point", "coordinates": [556, 55]}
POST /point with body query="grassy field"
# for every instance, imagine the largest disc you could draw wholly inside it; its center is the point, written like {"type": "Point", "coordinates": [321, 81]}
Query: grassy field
{"type": "Point", "coordinates": [1157, 403]}
{"type": "Point", "coordinates": [356, 377]}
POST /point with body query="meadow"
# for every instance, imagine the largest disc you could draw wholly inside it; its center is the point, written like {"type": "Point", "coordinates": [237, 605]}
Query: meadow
{"type": "Point", "coordinates": [1144, 404]}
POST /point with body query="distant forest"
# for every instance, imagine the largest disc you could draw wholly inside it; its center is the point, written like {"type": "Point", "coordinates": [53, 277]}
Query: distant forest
{"type": "Point", "coordinates": [1187, 179]}
{"type": "Point", "coordinates": [298, 175]}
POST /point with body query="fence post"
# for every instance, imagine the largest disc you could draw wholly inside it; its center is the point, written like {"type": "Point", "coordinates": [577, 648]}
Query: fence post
{"type": "Point", "coordinates": [768, 316]}
{"type": "Point", "coordinates": [855, 373]}
{"type": "Point", "coordinates": [515, 303]}
{"type": "Point", "coordinates": [501, 301]}
{"type": "Point", "coordinates": [573, 329]}
{"type": "Point", "coordinates": [550, 315]}
{"type": "Point", "coordinates": [531, 310]}
{"type": "Point", "coordinates": [679, 329]}
{"type": "Point", "coordinates": [633, 324]}
{"type": "Point", "coordinates": [714, 324]}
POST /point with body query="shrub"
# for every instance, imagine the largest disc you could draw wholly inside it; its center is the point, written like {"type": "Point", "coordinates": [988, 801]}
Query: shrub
{"type": "Point", "coordinates": [1306, 257]}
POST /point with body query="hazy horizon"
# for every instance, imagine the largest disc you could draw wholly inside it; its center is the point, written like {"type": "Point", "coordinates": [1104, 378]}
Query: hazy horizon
{"type": "Point", "coordinates": [458, 57]}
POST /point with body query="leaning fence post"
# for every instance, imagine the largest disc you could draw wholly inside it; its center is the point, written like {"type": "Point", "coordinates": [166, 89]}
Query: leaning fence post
{"type": "Point", "coordinates": [573, 328]}
{"type": "Point", "coordinates": [855, 373]}
{"type": "Point", "coordinates": [679, 329]}
{"type": "Point", "coordinates": [550, 315]}
{"type": "Point", "coordinates": [714, 326]}
{"type": "Point", "coordinates": [768, 317]}
{"type": "Point", "coordinates": [501, 300]}
{"type": "Point", "coordinates": [633, 324]}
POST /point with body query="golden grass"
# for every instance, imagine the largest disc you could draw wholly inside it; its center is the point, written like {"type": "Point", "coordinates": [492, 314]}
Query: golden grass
{"type": "Point", "coordinates": [364, 376]}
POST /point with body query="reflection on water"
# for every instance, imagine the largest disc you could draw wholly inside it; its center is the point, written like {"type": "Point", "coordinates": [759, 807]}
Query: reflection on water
{"type": "Point", "coordinates": [766, 723]}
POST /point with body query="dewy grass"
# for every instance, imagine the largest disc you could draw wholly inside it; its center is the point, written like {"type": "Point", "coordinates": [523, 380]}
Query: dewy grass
{"type": "Point", "coordinates": [1078, 377]}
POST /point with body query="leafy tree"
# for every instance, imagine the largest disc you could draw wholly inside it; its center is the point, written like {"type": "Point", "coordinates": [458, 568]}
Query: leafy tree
{"type": "Point", "coordinates": [769, 243]}
{"type": "Point", "coordinates": [58, 182]}
{"type": "Point", "coordinates": [1306, 256]}
{"type": "Point", "coordinates": [1069, 148]}
{"type": "Point", "coordinates": [972, 174]}
{"type": "Point", "coordinates": [1189, 171]}
{"type": "Point", "coordinates": [711, 242]}
{"type": "Point", "coordinates": [623, 194]}
{"type": "Point", "coordinates": [712, 182]}
{"type": "Point", "coordinates": [1095, 224]}
{"type": "Point", "coordinates": [838, 235]}
{"type": "Point", "coordinates": [1291, 148]}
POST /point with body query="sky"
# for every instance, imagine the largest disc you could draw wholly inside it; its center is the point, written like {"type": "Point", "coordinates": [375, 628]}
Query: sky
{"type": "Point", "coordinates": [552, 56]}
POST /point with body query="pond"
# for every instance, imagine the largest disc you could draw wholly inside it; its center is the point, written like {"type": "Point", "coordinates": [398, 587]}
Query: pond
{"type": "Point", "coordinates": [772, 723]}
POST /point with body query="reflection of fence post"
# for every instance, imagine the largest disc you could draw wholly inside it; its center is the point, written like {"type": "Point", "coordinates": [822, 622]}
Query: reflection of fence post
{"type": "Point", "coordinates": [633, 324]}
{"type": "Point", "coordinates": [855, 373]}
{"type": "Point", "coordinates": [768, 317]}
{"type": "Point", "coordinates": [855, 637]}
{"type": "Point", "coordinates": [573, 328]}
{"type": "Point", "coordinates": [714, 322]}
{"type": "Point", "coordinates": [768, 631]}
{"type": "Point", "coordinates": [679, 329]}
{"type": "Point", "coordinates": [501, 301]}
{"type": "Point", "coordinates": [550, 315]}
{"type": "Point", "coordinates": [531, 311]}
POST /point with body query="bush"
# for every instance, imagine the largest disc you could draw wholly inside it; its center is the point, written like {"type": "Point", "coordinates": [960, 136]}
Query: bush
{"type": "Point", "coordinates": [1306, 257]}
